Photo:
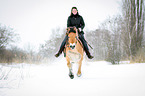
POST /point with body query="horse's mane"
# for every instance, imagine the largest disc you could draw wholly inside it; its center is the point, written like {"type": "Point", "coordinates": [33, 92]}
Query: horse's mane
{"type": "Point", "coordinates": [72, 30]}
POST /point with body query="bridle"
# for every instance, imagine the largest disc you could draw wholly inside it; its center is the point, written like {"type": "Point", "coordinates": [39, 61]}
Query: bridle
{"type": "Point", "coordinates": [67, 43]}
{"type": "Point", "coordinates": [77, 38]}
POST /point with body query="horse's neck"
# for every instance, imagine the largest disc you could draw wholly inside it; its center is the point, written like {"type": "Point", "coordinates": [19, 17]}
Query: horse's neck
{"type": "Point", "coordinates": [79, 46]}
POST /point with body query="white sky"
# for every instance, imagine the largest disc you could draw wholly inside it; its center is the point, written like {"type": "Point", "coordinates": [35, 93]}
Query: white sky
{"type": "Point", "coordinates": [33, 20]}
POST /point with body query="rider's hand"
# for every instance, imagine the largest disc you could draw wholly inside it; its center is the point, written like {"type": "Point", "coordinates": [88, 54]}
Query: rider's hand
{"type": "Point", "coordinates": [80, 29]}
{"type": "Point", "coordinates": [67, 30]}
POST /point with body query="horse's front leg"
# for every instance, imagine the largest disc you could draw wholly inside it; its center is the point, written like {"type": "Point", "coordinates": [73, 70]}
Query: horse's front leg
{"type": "Point", "coordinates": [79, 68]}
{"type": "Point", "coordinates": [71, 75]}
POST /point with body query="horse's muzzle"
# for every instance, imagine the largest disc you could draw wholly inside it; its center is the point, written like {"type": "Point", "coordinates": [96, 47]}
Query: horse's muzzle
{"type": "Point", "coordinates": [72, 46]}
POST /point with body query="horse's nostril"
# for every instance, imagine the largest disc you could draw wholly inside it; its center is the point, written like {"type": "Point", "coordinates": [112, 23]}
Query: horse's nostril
{"type": "Point", "coordinates": [72, 47]}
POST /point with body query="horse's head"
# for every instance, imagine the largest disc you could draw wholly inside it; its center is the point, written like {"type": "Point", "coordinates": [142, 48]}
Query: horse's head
{"type": "Point", "coordinates": [72, 38]}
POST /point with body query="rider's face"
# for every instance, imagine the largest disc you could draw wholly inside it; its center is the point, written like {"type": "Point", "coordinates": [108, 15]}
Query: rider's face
{"type": "Point", "coordinates": [74, 11]}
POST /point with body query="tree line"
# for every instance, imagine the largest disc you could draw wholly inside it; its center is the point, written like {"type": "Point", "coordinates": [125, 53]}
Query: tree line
{"type": "Point", "coordinates": [120, 37]}
{"type": "Point", "coordinates": [117, 38]}
{"type": "Point", "coordinates": [14, 54]}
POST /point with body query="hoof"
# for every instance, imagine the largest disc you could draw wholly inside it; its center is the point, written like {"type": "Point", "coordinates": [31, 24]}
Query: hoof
{"type": "Point", "coordinates": [79, 75]}
{"type": "Point", "coordinates": [71, 76]}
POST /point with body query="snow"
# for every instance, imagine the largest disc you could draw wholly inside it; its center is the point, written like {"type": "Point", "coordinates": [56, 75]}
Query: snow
{"type": "Point", "coordinates": [98, 78]}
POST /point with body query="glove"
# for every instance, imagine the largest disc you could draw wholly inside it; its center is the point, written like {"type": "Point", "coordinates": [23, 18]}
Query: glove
{"type": "Point", "coordinates": [80, 29]}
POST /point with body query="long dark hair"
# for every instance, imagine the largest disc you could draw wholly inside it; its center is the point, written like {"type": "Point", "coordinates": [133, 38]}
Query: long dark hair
{"type": "Point", "coordinates": [72, 9]}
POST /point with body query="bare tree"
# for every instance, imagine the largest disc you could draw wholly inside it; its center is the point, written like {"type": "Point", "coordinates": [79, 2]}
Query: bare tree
{"type": "Point", "coordinates": [111, 36]}
{"type": "Point", "coordinates": [134, 17]}
{"type": "Point", "coordinates": [6, 36]}
{"type": "Point", "coordinates": [51, 46]}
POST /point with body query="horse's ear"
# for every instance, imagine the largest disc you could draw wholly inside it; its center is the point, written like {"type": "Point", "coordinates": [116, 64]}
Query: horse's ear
{"type": "Point", "coordinates": [75, 28]}
{"type": "Point", "coordinates": [68, 29]}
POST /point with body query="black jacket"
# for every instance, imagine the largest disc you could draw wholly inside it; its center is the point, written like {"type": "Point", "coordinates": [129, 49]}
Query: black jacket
{"type": "Point", "coordinates": [75, 20]}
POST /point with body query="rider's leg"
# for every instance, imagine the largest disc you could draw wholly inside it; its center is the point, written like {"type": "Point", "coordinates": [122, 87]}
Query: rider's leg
{"type": "Point", "coordinates": [81, 37]}
{"type": "Point", "coordinates": [62, 46]}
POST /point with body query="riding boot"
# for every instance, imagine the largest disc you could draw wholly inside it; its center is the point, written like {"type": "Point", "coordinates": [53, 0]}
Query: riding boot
{"type": "Point", "coordinates": [59, 52]}
{"type": "Point", "coordinates": [88, 54]}
{"type": "Point", "coordinates": [62, 46]}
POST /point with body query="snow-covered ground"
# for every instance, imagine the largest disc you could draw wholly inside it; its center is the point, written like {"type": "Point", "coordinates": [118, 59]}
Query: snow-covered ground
{"type": "Point", "coordinates": [98, 79]}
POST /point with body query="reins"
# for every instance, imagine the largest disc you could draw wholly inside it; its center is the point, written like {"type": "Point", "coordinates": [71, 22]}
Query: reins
{"type": "Point", "coordinates": [80, 42]}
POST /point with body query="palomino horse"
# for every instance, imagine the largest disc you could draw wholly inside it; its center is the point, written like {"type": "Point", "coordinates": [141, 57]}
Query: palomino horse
{"type": "Point", "coordinates": [74, 52]}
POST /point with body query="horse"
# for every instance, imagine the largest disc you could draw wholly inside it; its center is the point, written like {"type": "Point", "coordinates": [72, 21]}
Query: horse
{"type": "Point", "coordinates": [74, 51]}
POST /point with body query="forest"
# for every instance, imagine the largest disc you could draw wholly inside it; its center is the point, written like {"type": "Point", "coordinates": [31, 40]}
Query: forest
{"type": "Point", "coordinates": [117, 38]}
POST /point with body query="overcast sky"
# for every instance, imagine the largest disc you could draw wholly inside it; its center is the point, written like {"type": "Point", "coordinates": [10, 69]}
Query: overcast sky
{"type": "Point", "coordinates": [33, 20]}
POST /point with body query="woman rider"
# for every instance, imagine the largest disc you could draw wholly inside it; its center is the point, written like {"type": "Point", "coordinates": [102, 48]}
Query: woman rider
{"type": "Point", "coordinates": [75, 20]}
